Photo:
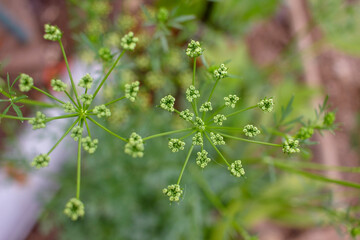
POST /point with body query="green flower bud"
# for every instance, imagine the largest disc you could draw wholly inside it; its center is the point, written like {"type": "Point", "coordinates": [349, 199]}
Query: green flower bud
{"type": "Point", "coordinates": [198, 139]}
{"type": "Point", "coordinates": [58, 85]}
{"type": "Point", "coordinates": [105, 54]}
{"type": "Point", "coordinates": [236, 169]}
{"type": "Point", "coordinates": [39, 121]}
{"type": "Point", "coordinates": [192, 93]}
{"type": "Point", "coordinates": [86, 81]}
{"type": "Point", "coordinates": [186, 115]}
{"type": "Point", "coordinates": [266, 104]}
{"type": "Point", "coordinates": [199, 124]}
{"type": "Point", "coordinates": [52, 33]}
{"type": "Point", "coordinates": [304, 133]}
{"type": "Point", "coordinates": [86, 98]}
{"type": "Point", "coordinates": [219, 119]}
{"type": "Point", "coordinates": [131, 90]}
{"type": "Point", "coordinates": [135, 146]}
{"type": "Point", "coordinates": [41, 161]}
{"type": "Point", "coordinates": [231, 100]}
{"type": "Point", "coordinates": [202, 159]}
{"type": "Point", "coordinates": [329, 119]}
{"type": "Point", "coordinates": [251, 131]}
{"type": "Point", "coordinates": [221, 72]}
{"type": "Point", "coordinates": [217, 139]}
{"type": "Point", "coordinates": [167, 103]}
{"type": "Point", "coordinates": [76, 133]}
{"type": "Point", "coordinates": [25, 83]}
{"type": "Point", "coordinates": [89, 145]}
{"type": "Point", "coordinates": [128, 42]}
{"type": "Point", "coordinates": [68, 107]}
{"type": "Point", "coordinates": [174, 192]}
{"type": "Point", "coordinates": [194, 49]}
{"type": "Point", "coordinates": [102, 111]}
{"type": "Point", "coordinates": [176, 144]}
{"type": "Point", "coordinates": [163, 15]}
{"type": "Point", "coordinates": [74, 209]}
{"type": "Point", "coordinates": [206, 107]}
{"type": "Point", "coordinates": [291, 146]}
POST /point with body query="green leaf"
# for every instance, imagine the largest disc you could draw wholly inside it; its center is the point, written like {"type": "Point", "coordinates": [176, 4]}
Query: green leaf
{"type": "Point", "coordinates": [19, 98]}
{"type": "Point", "coordinates": [183, 18]}
{"type": "Point", "coordinates": [18, 77]}
{"type": "Point", "coordinates": [5, 111]}
{"type": "Point", "coordinates": [17, 110]}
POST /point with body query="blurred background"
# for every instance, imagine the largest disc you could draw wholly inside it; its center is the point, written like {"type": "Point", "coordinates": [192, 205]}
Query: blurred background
{"type": "Point", "coordinates": [297, 51]}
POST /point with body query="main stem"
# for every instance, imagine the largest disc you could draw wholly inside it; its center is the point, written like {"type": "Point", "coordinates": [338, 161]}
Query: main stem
{"type": "Point", "coordinates": [78, 169]}
{"type": "Point", "coordinates": [184, 166]}
{"type": "Point", "coordinates": [14, 117]}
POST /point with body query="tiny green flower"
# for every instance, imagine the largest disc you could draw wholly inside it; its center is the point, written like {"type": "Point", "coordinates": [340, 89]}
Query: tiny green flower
{"type": "Point", "coordinates": [40, 161]}
{"type": "Point", "coordinates": [174, 192]}
{"type": "Point", "coordinates": [39, 121]}
{"type": "Point", "coordinates": [105, 54]}
{"type": "Point", "coordinates": [206, 107]}
{"type": "Point", "coordinates": [199, 124]}
{"type": "Point", "coordinates": [304, 133]}
{"type": "Point", "coordinates": [89, 145]}
{"type": "Point", "coordinates": [329, 118]}
{"type": "Point", "coordinates": [221, 72]}
{"type": "Point", "coordinates": [291, 146]}
{"type": "Point", "coordinates": [198, 139]}
{"type": "Point", "coordinates": [217, 139]}
{"type": "Point", "coordinates": [58, 85]}
{"type": "Point", "coordinates": [131, 90]}
{"type": "Point", "coordinates": [251, 131]}
{"type": "Point", "coordinates": [86, 81]}
{"type": "Point", "coordinates": [86, 98]}
{"type": "Point", "coordinates": [266, 104]}
{"type": "Point", "coordinates": [102, 111]}
{"type": "Point", "coordinates": [162, 15]}
{"type": "Point", "coordinates": [128, 42]}
{"type": "Point", "coordinates": [76, 133]}
{"type": "Point", "coordinates": [219, 119]}
{"type": "Point", "coordinates": [52, 33]}
{"type": "Point", "coordinates": [194, 49]}
{"type": "Point", "coordinates": [231, 100]}
{"type": "Point", "coordinates": [202, 159]}
{"type": "Point", "coordinates": [167, 103]}
{"type": "Point", "coordinates": [74, 209]}
{"type": "Point", "coordinates": [186, 115]}
{"type": "Point", "coordinates": [192, 93]}
{"type": "Point", "coordinates": [135, 146]}
{"type": "Point", "coordinates": [68, 107]}
{"type": "Point", "coordinates": [176, 144]}
{"type": "Point", "coordinates": [26, 82]}
{"type": "Point", "coordinates": [236, 169]}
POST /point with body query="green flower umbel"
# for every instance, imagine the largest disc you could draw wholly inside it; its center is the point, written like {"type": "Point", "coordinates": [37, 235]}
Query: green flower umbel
{"type": "Point", "coordinates": [40, 161]}
{"type": "Point", "coordinates": [39, 121]}
{"type": "Point", "coordinates": [329, 118]}
{"type": "Point", "coordinates": [26, 82]}
{"type": "Point", "coordinates": [86, 98]}
{"type": "Point", "coordinates": [221, 72]}
{"type": "Point", "coordinates": [76, 133]}
{"type": "Point", "coordinates": [74, 209]}
{"type": "Point", "coordinates": [186, 115]}
{"type": "Point", "coordinates": [68, 107]}
{"type": "Point", "coordinates": [219, 119]}
{"type": "Point", "coordinates": [102, 111]}
{"type": "Point", "coordinates": [131, 90]}
{"type": "Point", "coordinates": [206, 107]}
{"type": "Point", "coordinates": [52, 33]}
{"type": "Point", "coordinates": [202, 159]}
{"type": "Point", "coordinates": [89, 145]}
{"type": "Point", "coordinates": [251, 131]}
{"type": "Point", "coordinates": [217, 139]}
{"type": "Point", "coordinates": [135, 146]}
{"type": "Point", "coordinates": [236, 169]}
{"type": "Point", "coordinates": [231, 100]}
{"type": "Point", "coordinates": [176, 144]}
{"type": "Point", "coordinates": [266, 104]}
{"type": "Point", "coordinates": [174, 192]}
{"type": "Point", "coordinates": [199, 124]}
{"type": "Point", "coordinates": [58, 85]}
{"type": "Point", "coordinates": [105, 54]}
{"type": "Point", "coordinates": [305, 133]}
{"type": "Point", "coordinates": [291, 146]}
{"type": "Point", "coordinates": [86, 81]}
{"type": "Point", "coordinates": [167, 103]}
{"type": "Point", "coordinates": [192, 93]}
{"type": "Point", "coordinates": [198, 139]}
{"type": "Point", "coordinates": [128, 42]}
{"type": "Point", "coordinates": [194, 49]}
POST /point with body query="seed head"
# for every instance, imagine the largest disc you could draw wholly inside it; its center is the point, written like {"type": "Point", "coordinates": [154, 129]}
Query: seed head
{"type": "Point", "coordinates": [236, 169]}
{"type": "Point", "coordinates": [198, 139]}
{"type": "Point", "coordinates": [176, 144]}
{"type": "Point", "coordinates": [128, 42]}
{"type": "Point", "coordinates": [186, 115]}
{"type": "Point", "coordinates": [89, 145]}
{"type": "Point", "coordinates": [206, 107]}
{"type": "Point", "coordinates": [86, 98]}
{"type": "Point", "coordinates": [174, 192]}
{"type": "Point", "coordinates": [40, 161]}
{"type": "Point", "coordinates": [86, 81]}
{"type": "Point", "coordinates": [39, 121]}
{"type": "Point", "coordinates": [266, 104]}
{"type": "Point", "coordinates": [251, 131]}
{"type": "Point", "coordinates": [52, 33]}
{"type": "Point", "coordinates": [131, 90]}
{"type": "Point", "coordinates": [231, 100]}
{"type": "Point", "coordinates": [199, 124]}
{"type": "Point", "coordinates": [219, 119]}
{"type": "Point", "coordinates": [102, 111]}
{"type": "Point", "coordinates": [217, 139]}
{"type": "Point", "coordinates": [76, 133]}
{"type": "Point", "coordinates": [135, 146]}
{"type": "Point", "coordinates": [221, 72]}
{"type": "Point", "coordinates": [202, 159]}
{"type": "Point", "coordinates": [194, 49]}
{"type": "Point", "coordinates": [167, 103]}
{"type": "Point", "coordinates": [192, 93]}
{"type": "Point", "coordinates": [74, 209]}
{"type": "Point", "coordinates": [291, 146]}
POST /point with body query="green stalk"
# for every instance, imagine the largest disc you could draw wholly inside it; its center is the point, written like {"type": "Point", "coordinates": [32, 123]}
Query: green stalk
{"type": "Point", "coordinates": [209, 119]}
{"type": "Point", "coordinates": [37, 103]}
{"type": "Point", "coordinates": [185, 163]}
{"type": "Point", "coordinates": [71, 99]}
{"type": "Point", "coordinates": [114, 101]}
{"type": "Point", "coordinates": [61, 117]}
{"type": "Point", "coordinates": [216, 149]}
{"type": "Point", "coordinates": [14, 117]}
{"type": "Point", "coordinates": [108, 73]}
{"type": "Point", "coordinates": [87, 128]}
{"type": "Point", "coordinates": [213, 89]}
{"type": "Point", "coordinates": [107, 130]}
{"type": "Point", "coordinates": [63, 136]}
{"type": "Point", "coordinates": [194, 70]}
{"type": "Point", "coordinates": [182, 138]}
{"type": "Point", "coordinates": [167, 133]}
{"type": "Point", "coordinates": [48, 94]}
{"type": "Point", "coordinates": [68, 69]}
{"type": "Point", "coordinates": [78, 178]}
{"type": "Point", "coordinates": [250, 141]}
{"type": "Point", "coordinates": [225, 128]}
{"type": "Point", "coordinates": [240, 111]}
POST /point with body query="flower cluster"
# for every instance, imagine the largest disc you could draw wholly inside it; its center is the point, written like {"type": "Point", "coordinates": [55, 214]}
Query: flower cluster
{"type": "Point", "coordinates": [167, 103]}
{"type": "Point", "coordinates": [251, 131]}
{"type": "Point", "coordinates": [304, 133]}
{"type": "Point", "coordinates": [135, 146]}
{"type": "Point", "coordinates": [41, 161]}
{"type": "Point", "coordinates": [206, 107]}
{"type": "Point", "coordinates": [105, 54]}
{"type": "Point", "coordinates": [217, 139]}
{"type": "Point", "coordinates": [202, 159]}
{"type": "Point", "coordinates": [26, 82]}
{"type": "Point", "coordinates": [76, 133]}
{"type": "Point", "coordinates": [221, 72]}
{"type": "Point", "coordinates": [131, 90]}
{"type": "Point", "coordinates": [329, 118]}
{"type": "Point", "coordinates": [198, 139]}
{"type": "Point", "coordinates": [68, 107]}
{"type": "Point", "coordinates": [102, 111]}
{"type": "Point", "coordinates": [58, 85]}
{"type": "Point", "coordinates": [266, 104]}
{"type": "Point", "coordinates": [86, 81]}
{"type": "Point", "coordinates": [52, 33]}
{"type": "Point", "coordinates": [291, 146]}
{"type": "Point", "coordinates": [186, 115]}
{"type": "Point", "coordinates": [219, 119]}
{"type": "Point", "coordinates": [39, 121]}
{"type": "Point", "coordinates": [199, 124]}
{"type": "Point", "coordinates": [194, 49]}
{"type": "Point", "coordinates": [74, 209]}
{"type": "Point", "coordinates": [192, 93]}
{"type": "Point", "coordinates": [176, 144]}
{"type": "Point", "coordinates": [86, 98]}
{"type": "Point", "coordinates": [89, 145]}
{"type": "Point", "coordinates": [128, 42]}
{"type": "Point", "coordinates": [174, 192]}
{"type": "Point", "coordinates": [237, 169]}
{"type": "Point", "coordinates": [231, 100]}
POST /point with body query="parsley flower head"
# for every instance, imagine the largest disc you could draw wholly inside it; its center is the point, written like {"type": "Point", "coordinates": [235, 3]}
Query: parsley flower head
{"type": "Point", "coordinates": [89, 145]}
{"type": "Point", "coordinates": [135, 146]}
{"type": "Point", "coordinates": [174, 192]}
{"type": "Point", "coordinates": [291, 146]}
{"type": "Point", "coordinates": [40, 161]}
{"type": "Point", "coordinates": [128, 42]}
{"type": "Point", "coordinates": [68, 107]}
{"type": "Point", "coordinates": [86, 98]}
{"type": "Point", "coordinates": [74, 209]}
{"type": "Point", "coordinates": [131, 90]}
{"type": "Point", "coordinates": [76, 133]}
{"type": "Point", "coordinates": [217, 139]}
{"type": "Point", "coordinates": [102, 111]}
{"type": "Point", "coordinates": [329, 118]}
{"type": "Point", "coordinates": [221, 72]}
{"type": "Point", "coordinates": [266, 104]}
{"type": "Point", "coordinates": [251, 131]}
{"type": "Point", "coordinates": [304, 133]}
{"type": "Point", "coordinates": [176, 144]}
{"type": "Point", "coordinates": [186, 115]}
{"type": "Point", "coordinates": [199, 124]}
{"type": "Point", "coordinates": [219, 119]}
{"type": "Point", "coordinates": [237, 169]}
{"type": "Point", "coordinates": [39, 121]}
{"type": "Point", "coordinates": [58, 85]}
{"type": "Point", "coordinates": [86, 81]}
{"type": "Point", "coordinates": [198, 139]}
{"type": "Point", "coordinates": [105, 54]}
{"type": "Point", "coordinates": [231, 100]}
{"type": "Point", "coordinates": [26, 82]}
{"type": "Point", "coordinates": [202, 159]}
{"type": "Point", "coordinates": [205, 107]}
{"type": "Point", "coordinates": [52, 33]}
{"type": "Point", "coordinates": [192, 93]}
{"type": "Point", "coordinates": [194, 49]}
{"type": "Point", "coordinates": [167, 103]}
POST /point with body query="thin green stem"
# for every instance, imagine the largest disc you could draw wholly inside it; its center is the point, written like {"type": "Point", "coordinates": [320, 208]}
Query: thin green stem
{"type": "Point", "coordinates": [194, 107]}
{"type": "Point", "coordinates": [108, 73]}
{"type": "Point", "coordinates": [14, 117]}
{"type": "Point", "coordinates": [209, 119]}
{"type": "Point", "coordinates": [87, 128]}
{"type": "Point", "coordinates": [213, 89]}
{"type": "Point", "coordinates": [107, 130]}
{"type": "Point", "coordinates": [63, 136]}
{"type": "Point", "coordinates": [194, 71]}
{"type": "Point", "coordinates": [68, 69]}
{"type": "Point", "coordinates": [225, 128]}
{"type": "Point", "coordinates": [78, 179]}
{"type": "Point", "coordinates": [61, 117]}
{"type": "Point", "coordinates": [185, 163]}
{"type": "Point", "coordinates": [189, 134]}
{"type": "Point", "coordinates": [114, 101]}
{"type": "Point", "coordinates": [71, 99]}
{"type": "Point", "coordinates": [250, 141]}
{"type": "Point", "coordinates": [48, 94]}
{"type": "Point", "coordinates": [167, 133]}
{"type": "Point", "coordinates": [216, 149]}
{"type": "Point", "coordinates": [240, 111]}
{"type": "Point", "coordinates": [37, 103]}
